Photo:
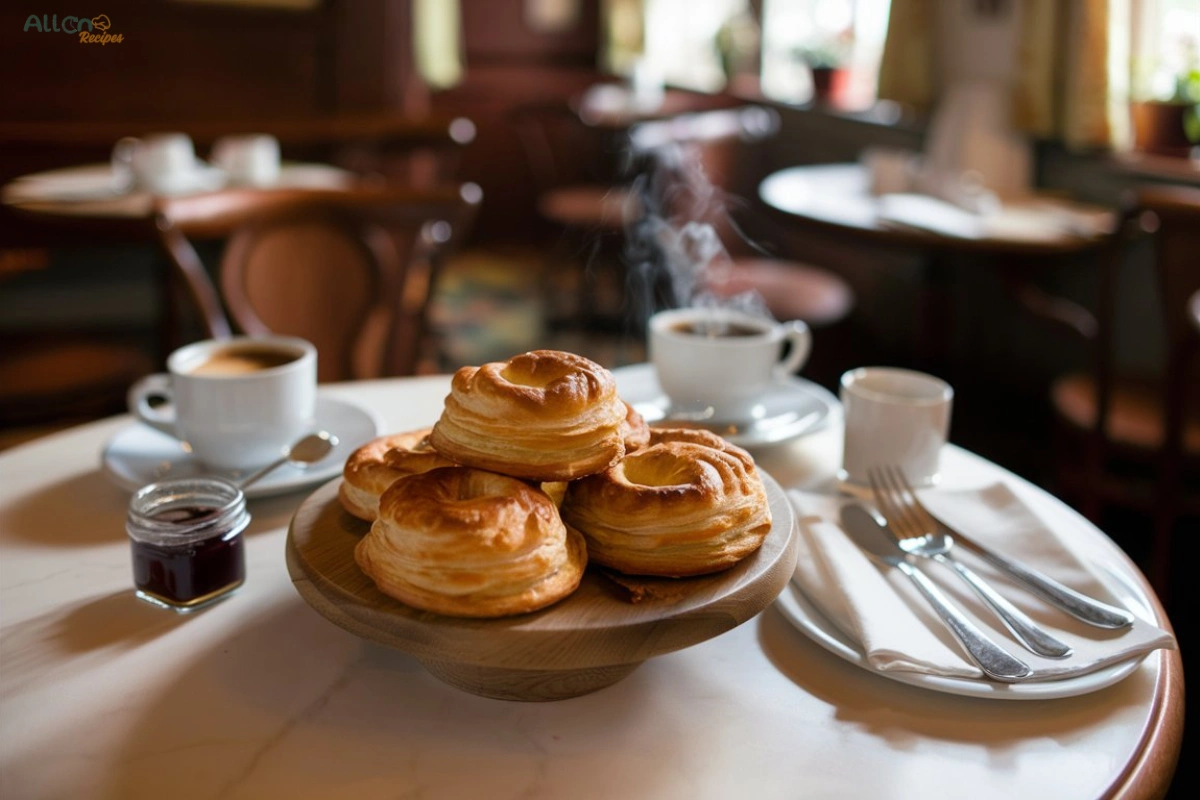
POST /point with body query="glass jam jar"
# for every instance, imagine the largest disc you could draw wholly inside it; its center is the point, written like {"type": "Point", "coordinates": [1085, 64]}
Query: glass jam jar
{"type": "Point", "coordinates": [186, 539]}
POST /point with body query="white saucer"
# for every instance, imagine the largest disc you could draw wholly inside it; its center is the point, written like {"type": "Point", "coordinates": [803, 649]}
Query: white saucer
{"type": "Point", "coordinates": [139, 454]}
{"type": "Point", "coordinates": [805, 615]}
{"type": "Point", "coordinates": [790, 408]}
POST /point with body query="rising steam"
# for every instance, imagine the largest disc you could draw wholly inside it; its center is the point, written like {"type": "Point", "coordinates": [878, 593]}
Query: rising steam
{"type": "Point", "coordinates": [673, 247]}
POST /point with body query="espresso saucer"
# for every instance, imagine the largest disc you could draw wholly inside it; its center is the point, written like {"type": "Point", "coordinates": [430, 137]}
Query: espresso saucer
{"type": "Point", "coordinates": [789, 408]}
{"type": "Point", "coordinates": [138, 455]}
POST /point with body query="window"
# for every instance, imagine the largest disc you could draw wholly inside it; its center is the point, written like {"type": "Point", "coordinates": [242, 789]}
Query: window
{"type": "Point", "coordinates": [800, 37]}
{"type": "Point", "coordinates": [682, 40]}
{"type": "Point", "coordinates": [1165, 49]}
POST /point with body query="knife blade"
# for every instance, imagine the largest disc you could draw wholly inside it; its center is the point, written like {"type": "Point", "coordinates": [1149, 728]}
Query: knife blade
{"type": "Point", "coordinates": [995, 662]}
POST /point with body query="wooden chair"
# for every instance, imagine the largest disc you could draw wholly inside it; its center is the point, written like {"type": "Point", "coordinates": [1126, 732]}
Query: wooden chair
{"type": "Point", "coordinates": [701, 155]}
{"type": "Point", "coordinates": [1135, 442]}
{"type": "Point", "coordinates": [351, 271]}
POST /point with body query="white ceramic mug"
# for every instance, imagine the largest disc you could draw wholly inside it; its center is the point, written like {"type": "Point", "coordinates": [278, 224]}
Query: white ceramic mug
{"type": "Point", "coordinates": [723, 373]}
{"type": "Point", "coordinates": [160, 162]}
{"type": "Point", "coordinates": [894, 417]}
{"type": "Point", "coordinates": [248, 159]}
{"type": "Point", "coordinates": [236, 403]}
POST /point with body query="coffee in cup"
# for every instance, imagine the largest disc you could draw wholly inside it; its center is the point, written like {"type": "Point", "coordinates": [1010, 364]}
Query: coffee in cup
{"type": "Point", "coordinates": [719, 363]}
{"type": "Point", "coordinates": [237, 403]}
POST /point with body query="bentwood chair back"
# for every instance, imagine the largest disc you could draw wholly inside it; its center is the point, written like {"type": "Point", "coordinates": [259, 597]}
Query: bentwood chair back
{"type": "Point", "coordinates": [1141, 435]}
{"type": "Point", "coordinates": [352, 271]}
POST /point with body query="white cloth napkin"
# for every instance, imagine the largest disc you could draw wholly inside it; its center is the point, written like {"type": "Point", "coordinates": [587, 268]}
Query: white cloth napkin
{"type": "Point", "coordinates": [895, 627]}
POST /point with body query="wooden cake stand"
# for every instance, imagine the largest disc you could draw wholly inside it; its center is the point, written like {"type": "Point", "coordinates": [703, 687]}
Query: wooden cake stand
{"type": "Point", "coordinates": [589, 640]}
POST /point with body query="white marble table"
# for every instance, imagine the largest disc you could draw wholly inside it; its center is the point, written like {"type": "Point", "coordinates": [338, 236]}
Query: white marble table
{"type": "Point", "coordinates": [259, 696]}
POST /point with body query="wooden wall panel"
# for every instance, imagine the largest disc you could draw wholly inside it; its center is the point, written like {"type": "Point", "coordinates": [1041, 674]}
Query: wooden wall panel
{"type": "Point", "coordinates": [177, 60]}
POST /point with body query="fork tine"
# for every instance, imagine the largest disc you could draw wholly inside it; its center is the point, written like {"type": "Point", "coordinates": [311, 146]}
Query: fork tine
{"type": "Point", "coordinates": [918, 508]}
{"type": "Point", "coordinates": [899, 512]}
{"type": "Point", "coordinates": [882, 501]}
{"type": "Point", "coordinates": [886, 500]}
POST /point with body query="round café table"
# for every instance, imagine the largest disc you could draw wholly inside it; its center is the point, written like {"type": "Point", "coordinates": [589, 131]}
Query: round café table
{"type": "Point", "coordinates": [75, 204]}
{"type": "Point", "coordinates": [259, 696]}
{"type": "Point", "coordinates": [1025, 237]}
{"type": "Point", "coordinates": [837, 199]}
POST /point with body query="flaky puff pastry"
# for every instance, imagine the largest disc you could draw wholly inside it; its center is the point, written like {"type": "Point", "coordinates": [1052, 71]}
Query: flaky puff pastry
{"type": "Point", "coordinates": [471, 543]}
{"type": "Point", "coordinates": [375, 466]}
{"type": "Point", "coordinates": [545, 415]}
{"type": "Point", "coordinates": [636, 432]}
{"type": "Point", "coordinates": [688, 504]}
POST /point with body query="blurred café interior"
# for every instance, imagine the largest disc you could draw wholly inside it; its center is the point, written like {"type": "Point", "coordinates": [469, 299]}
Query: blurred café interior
{"type": "Point", "coordinates": [1002, 192]}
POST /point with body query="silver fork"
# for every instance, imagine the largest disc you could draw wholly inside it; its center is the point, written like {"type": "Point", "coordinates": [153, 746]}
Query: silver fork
{"type": "Point", "coordinates": [918, 534]}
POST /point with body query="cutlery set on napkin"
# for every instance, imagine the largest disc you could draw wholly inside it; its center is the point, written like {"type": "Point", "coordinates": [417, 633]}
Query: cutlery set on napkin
{"type": "Point", "coordinates": [894, 621]}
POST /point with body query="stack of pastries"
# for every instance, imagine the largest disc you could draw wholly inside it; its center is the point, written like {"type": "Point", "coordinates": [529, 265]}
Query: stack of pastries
{"type": "Point", "coordinates": [535, 467]}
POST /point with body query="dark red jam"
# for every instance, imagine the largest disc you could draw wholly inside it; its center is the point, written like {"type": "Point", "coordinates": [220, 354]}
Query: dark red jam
{"type": "Point", "coordinates": [190, 574]}
{"type": "Point", "coordinates": [186, 540]}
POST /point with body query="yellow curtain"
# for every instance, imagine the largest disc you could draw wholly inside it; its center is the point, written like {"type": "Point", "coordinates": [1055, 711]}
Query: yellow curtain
{"type": "Point", "coordinates": [624, 35]}
{"type": "Point", "coordinates": [437, 42]}
{"type": "Point", "coordinates": [1070, 83]}
{"type": "Point", "coordinates": [1071, 76]}
{"type": "Point", "coordinates": [907, 65]}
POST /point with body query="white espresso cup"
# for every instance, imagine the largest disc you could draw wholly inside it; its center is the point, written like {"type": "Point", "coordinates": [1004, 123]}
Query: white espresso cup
{"type": "Point", "coordinates": [159, 162]}
{"type": "Point", "coordinates": [894, 417]}
{"type": "Point", "coordinates": [719, 363]}
{"type": "Point", "coordinates": [248, 159]}
{"type": "Point", "coordinates": [237, 403]}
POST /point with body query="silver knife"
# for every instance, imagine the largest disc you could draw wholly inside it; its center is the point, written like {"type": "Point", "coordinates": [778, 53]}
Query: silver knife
{"type": "Point", "coordinates": [1077, 604]}
{"type": "Point", "coordinates": [996, 662]}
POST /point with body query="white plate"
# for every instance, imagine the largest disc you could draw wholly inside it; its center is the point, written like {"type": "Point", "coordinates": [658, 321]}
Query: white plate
{"type": "Point", "coordinates": [805, 615]}
{"type": "Point", "coordinates": [139, 454]}
{"type": "Point", "coordinates": [790, 408]}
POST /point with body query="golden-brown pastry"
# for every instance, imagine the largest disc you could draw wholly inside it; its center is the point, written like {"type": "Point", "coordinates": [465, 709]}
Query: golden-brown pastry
{"type": "Point", "coordinates": [688, 504]}
{"type": "Point", "coordinates": [375, 466]}
{"type": "Point", "coordinates": [637, 432]}
{"type": "Point", "coordinates": [545, 415]}
{"type": "Point", "coordinates": [471, 543]}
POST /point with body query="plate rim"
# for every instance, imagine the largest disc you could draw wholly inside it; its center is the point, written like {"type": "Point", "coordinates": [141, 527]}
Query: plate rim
{"type": "Point", "coordinates": [814, 624]}
{"type": "Point", "coordinates": [264, 488]}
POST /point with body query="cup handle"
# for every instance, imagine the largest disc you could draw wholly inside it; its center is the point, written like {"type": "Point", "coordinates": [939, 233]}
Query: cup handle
{"type": "Point", "coordinates": [138, 399]}
{"type": "Point", "coordinates": [800, 338]}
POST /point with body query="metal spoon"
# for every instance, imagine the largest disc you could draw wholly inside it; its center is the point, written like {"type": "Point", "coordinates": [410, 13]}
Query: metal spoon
{"type": "Point", "coordinates": [308, 450]}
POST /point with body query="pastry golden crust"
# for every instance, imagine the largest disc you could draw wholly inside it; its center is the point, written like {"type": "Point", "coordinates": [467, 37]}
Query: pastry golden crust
{"type": "Point", "coordinates": [685, 505]}
{"type": "Point", "coordinates": [375, 466]}
{"type": "Point", "coordinates": [471, 543]}
{"type": "Point", "coordinates": [637, 432]}
{"type": "Point", "coordinates": [545, 415]}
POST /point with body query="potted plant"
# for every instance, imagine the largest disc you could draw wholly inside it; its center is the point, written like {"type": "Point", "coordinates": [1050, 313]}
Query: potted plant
{"type": "Point", "coordinates": [827, 63]}
{"type": "Point", "coordinates": [1167, 121]}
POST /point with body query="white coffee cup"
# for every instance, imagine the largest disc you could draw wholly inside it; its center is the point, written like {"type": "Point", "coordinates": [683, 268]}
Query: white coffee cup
{"type": "Point", "coordinates": [723, 375]}
{"type": "Point", "coordinates": [159, 162]}
{"type": "Point", "coordinates": [894, 417]}
{"type": "Point", "coordinates": [236, 403]}
{"type": "Point", "coordinates": [248, 159]}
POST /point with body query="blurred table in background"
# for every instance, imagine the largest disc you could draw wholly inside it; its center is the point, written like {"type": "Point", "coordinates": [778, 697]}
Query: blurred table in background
{"type": "Point", "coordinates": [1021, 238]}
